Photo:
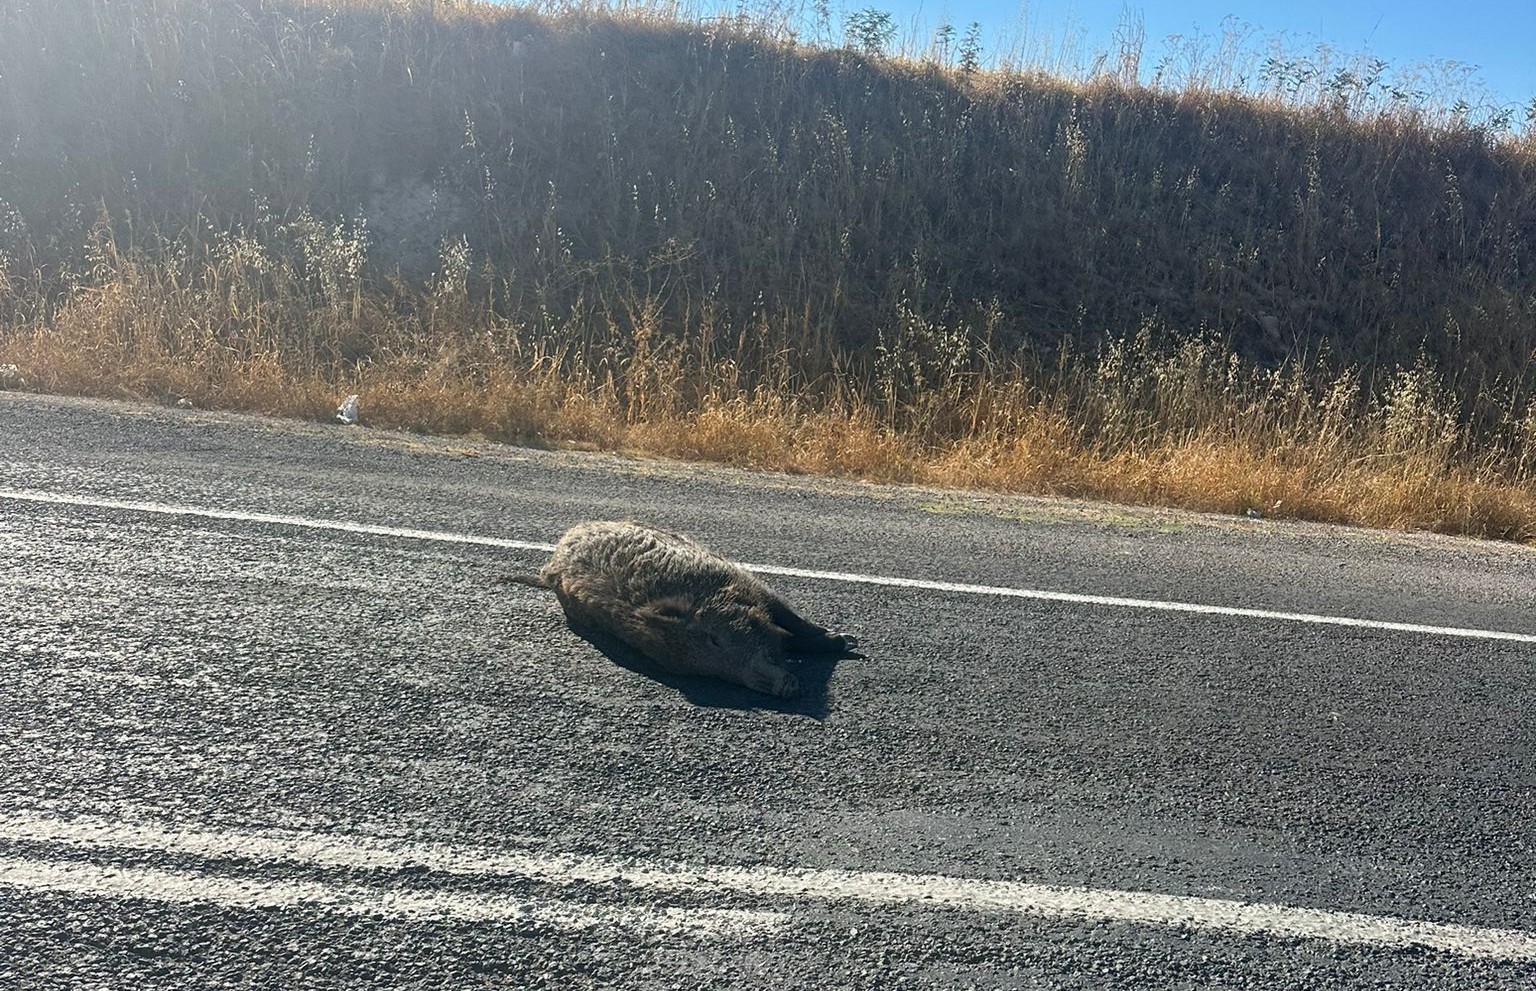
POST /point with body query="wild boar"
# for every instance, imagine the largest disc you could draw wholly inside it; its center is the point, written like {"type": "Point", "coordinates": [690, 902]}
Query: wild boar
{"type": "Point", "coordinates": [684, 607]}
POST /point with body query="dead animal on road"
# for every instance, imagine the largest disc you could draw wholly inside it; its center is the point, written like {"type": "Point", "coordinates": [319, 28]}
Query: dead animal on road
{"type": "Point", "coordinates": [684, 607]}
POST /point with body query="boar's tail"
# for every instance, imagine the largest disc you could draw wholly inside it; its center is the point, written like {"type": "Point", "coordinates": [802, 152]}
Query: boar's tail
{"type": "Point", "coordinates": [537, 581]}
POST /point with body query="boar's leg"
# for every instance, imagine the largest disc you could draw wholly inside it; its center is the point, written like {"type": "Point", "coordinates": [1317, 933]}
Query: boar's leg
{"type": "Point", "coordinates": [806, 637]}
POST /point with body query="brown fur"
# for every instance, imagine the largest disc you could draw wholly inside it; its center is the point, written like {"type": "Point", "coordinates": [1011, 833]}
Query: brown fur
{"type": "Point", "coordinates": [684, 607]}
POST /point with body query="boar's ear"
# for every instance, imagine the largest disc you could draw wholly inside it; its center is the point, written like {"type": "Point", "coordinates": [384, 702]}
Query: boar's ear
{"type": "Point", "coordinates": [667, 611]}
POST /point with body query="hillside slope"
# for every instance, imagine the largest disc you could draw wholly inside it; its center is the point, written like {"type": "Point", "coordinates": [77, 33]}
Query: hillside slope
{"type": "Point", "coordinates": [719, 167]}
{"type": "Point", "coordinates": [700, 239]}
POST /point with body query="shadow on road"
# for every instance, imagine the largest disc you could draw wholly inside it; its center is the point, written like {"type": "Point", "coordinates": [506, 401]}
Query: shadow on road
{"type": "Point", "coordinates": [814, 674]}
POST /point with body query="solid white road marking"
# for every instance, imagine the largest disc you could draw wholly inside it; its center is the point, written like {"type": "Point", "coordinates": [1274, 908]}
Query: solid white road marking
{"type": "Point", "coordinates": [443, 536]}
{"type": "Point", "coordinates": [304, 522]}
{"type": "Point", "coordinates": [1161, 605]}
{"type": "Point", "coordinates": [1172, 911]}
{"type": "Point", "coordinates": [187, 887]}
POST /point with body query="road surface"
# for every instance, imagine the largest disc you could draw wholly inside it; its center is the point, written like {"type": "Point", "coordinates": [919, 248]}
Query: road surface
{"type": "Point", "coordinates": [271, 719]}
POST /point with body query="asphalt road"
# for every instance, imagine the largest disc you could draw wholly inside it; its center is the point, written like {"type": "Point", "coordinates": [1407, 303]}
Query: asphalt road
{"type": "Point", "coordinates": [335, 751]}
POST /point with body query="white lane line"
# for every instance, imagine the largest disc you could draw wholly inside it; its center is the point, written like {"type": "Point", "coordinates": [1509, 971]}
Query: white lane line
{"type": "Point", "coordinates": [186, 887]}
{"type": "Point", "coordinates": [443, 536]}
{"type": "Point", "coordinates": [200, 512]}
{"type": "Point", "coordinates": [880, 888]}
{"type": "Point", "coordinates": [1161, 605]}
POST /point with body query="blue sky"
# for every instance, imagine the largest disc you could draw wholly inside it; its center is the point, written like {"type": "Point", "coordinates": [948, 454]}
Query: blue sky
{"type": "Point", "coordinates": [1497, 36]}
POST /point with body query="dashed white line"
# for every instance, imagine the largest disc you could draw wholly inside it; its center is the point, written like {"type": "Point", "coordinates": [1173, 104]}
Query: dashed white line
{"type": "Point", "coordinates": [444, 536]}
{"type": "Point", "coordinates": [375, 853]}
{"type": "Point", "coordinates": [196, 887]}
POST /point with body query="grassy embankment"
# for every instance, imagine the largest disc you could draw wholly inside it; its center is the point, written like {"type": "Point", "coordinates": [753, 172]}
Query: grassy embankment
{"type": "Point", "coordinates": [625, 230]}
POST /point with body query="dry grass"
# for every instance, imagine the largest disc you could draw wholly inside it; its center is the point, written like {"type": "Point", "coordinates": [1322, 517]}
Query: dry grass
{"type": "Point", "coordinates": [1187, 424]}
{"type": "Point", "coordinates": [625, 229]}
